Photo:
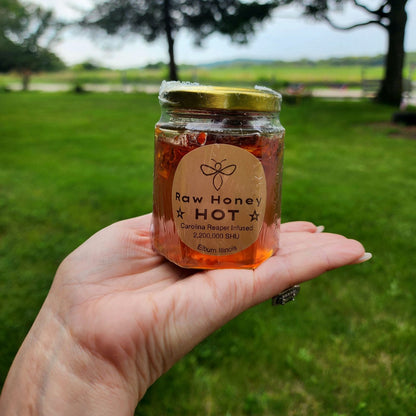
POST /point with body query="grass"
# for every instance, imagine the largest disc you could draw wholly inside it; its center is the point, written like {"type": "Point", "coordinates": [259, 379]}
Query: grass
{"type": "Point", "coordinates": [71, 164]}
{"type": "Point", "coordinates": [246, 74]}
{"type": "Point", "coordinates": [311, 75]}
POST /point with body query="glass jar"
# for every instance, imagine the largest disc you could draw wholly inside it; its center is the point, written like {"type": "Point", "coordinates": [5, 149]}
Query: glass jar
{"type": "Point", "coordinates": [217, 175]}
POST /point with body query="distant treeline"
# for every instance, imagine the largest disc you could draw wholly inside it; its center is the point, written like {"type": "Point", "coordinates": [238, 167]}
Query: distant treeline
{"type": "Point", "coordinates": [377, 60]}
{"type": "Point", "coordinates": [363, 61]}
{"type": "Point", "coordinates": [345, 61]}
{"type": "Point", "coordinates": [366, 61]}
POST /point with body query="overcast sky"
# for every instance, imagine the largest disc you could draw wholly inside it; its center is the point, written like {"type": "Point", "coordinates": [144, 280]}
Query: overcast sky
{"type": "Point", "coordinates": [286, 36]}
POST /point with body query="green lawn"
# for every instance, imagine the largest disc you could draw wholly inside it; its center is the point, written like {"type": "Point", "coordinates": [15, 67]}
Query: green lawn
{"type": "Point", "coordinates": [235, 74]}
{"type": "Point", "coordinates": [313, 75]}
{"type": "Point", "coordinates": [71, 164]}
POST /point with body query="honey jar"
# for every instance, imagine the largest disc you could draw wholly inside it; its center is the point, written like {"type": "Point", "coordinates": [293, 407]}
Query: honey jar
{"type": "Point", "coordinates": [217, 175]}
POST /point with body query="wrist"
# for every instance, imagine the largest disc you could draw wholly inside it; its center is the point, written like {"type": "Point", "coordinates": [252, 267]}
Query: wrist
{"type": "Point", "coordinates": [52, 374]}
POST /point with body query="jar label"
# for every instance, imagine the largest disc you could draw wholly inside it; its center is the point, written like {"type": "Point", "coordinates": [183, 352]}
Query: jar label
{"type": "Point", "coordinates": [219, 199]}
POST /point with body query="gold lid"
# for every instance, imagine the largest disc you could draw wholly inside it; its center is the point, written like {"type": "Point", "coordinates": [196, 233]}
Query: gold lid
{"type": "Point", "coordinates": [196, 96]}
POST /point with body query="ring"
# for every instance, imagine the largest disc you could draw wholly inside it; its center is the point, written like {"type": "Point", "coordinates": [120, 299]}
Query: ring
{"type": "Point", "coordinates": [286, 296]}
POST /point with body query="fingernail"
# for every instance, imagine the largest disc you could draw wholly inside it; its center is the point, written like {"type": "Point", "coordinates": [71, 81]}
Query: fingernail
{"type": "Point", "coordinates": [365, 257]}
{"type": "Point", "coordinates": [320, 228]}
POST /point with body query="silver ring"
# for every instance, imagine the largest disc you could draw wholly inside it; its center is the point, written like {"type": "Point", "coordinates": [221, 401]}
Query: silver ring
{"type": "Point", "coordinates": [286, 296]}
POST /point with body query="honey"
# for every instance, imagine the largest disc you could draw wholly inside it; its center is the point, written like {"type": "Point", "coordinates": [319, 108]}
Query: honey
{"type": "Point", "coordinates": [217, 176]}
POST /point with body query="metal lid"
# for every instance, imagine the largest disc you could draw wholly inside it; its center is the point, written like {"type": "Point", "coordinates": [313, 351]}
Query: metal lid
{"type": "Point", "coordinates": [190, 95]}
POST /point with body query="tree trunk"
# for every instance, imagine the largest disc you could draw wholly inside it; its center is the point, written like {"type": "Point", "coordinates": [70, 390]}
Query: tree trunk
{"type": "Point", "coordinates": [392, 84]}
{"type": "Point", "coordinates": [26, 73]}
{"type": "Point", "coordinates": [173, 75]}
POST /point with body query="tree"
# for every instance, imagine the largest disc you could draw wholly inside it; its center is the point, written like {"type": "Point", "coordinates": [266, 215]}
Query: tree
{"type": "Point", "coordinates": [156, 18]}
{"type": "Point", "coordinates": [22, 31]}
{"type": "Point", "coordinates": [389, 15]}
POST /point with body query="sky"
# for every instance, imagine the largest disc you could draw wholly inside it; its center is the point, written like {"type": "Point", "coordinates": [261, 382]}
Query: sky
{"type": "Point", "coordinates": [286, 36]}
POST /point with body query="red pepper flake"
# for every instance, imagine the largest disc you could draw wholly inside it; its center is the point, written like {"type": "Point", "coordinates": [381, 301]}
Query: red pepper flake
{"type": "Point", "coordinates": [202, 138]}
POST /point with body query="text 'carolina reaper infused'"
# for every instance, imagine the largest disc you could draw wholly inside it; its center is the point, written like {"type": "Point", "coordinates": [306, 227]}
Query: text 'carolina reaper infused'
{"type": "Point", "coordinates": [217, 175]}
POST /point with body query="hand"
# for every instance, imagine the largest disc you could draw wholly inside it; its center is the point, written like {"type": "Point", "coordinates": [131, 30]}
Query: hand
{"type": "Point", "coordinates": [118, 315]}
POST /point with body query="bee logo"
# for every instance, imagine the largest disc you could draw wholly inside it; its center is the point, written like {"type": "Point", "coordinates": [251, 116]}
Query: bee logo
{"type": "Point", "coordinates": [217, 170]}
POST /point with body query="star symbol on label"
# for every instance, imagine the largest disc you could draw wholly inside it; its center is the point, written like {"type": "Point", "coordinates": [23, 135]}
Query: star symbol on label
{"type": "Point", "coordinates": [180, 213]}
{"type": "Point", "coordinates": [254, 216]}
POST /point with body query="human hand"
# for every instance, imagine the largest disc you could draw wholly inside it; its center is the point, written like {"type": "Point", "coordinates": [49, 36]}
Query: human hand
{"type": "Point", "coordinates": [119, 315]}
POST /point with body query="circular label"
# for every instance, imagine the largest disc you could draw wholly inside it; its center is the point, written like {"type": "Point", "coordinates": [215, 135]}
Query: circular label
{"type": "Point", "coordinates": [219, 199]}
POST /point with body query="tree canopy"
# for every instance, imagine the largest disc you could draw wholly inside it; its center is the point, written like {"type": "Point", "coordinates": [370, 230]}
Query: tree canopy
{"type": "Point", "coordinates": [26, 33]}
{"type": "Point", "coordinates": [165, 18]}
{"type": "Point", "coordinates": [389, 15]}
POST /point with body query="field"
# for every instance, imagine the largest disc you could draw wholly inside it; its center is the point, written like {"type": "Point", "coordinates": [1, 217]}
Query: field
{"type": "Point", "coordinates": [347, 71]}
{"type": "Point", "coordinates": [234, 74]}
{"type": "Point", "coordinates": [72, 164]}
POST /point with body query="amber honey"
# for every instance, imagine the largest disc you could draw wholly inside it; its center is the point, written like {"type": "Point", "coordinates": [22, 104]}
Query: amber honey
{"type": "Point", "coordinates": [217, 182]}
